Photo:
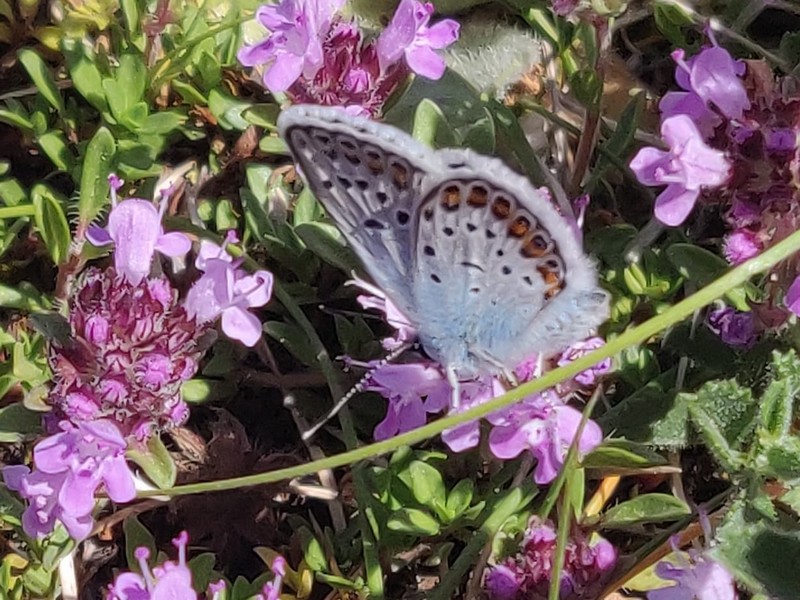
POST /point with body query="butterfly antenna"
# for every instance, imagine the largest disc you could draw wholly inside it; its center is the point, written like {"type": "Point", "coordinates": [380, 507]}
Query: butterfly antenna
{"type": "Point", "coordinates": [356, 389]}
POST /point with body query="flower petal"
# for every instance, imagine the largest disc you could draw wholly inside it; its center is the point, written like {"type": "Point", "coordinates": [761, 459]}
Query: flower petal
{"type": "Point", "coordinates": [239, 324]}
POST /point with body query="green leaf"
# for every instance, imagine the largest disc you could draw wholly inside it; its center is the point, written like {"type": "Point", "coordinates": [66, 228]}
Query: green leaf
{"type": "Point", "coordinates": [22, 296]}
{"type": "Point", "coordinates": [12, 193]}
{"type": "Point", "coordinates": [17, 423]}
{"type": "Point", "coordinates": [202, 568]}
{"type": "Point", "coordinates": [313, 553]}
{"type": "Point", "coordinates": [84, 73]}
{"type": "Point", "coordinates": [647, 508]}
{"type": "Point", "coordinates": [777, 402]}
{"type": "Point", "coordinates": [732, 407]}
{"type": "Point", "coordinates": [460, 498]}
{"type": "Point", "coordinates": [156, 462]}
{"type": "Point", "coordinates": [762, 556]}
{"type": "Point", "coordinates": [294, 339]}
{"type": "Point", "coordinates": [469, 122]}
{"type": "Point", "coordinates": [163, 122]}
{"type": "Point", "coordinates": [619, 144]}
{"type": "Point", "coordinates": [263, 115]}
{"type": "Point", "coordinates": [428, 118]}
{"type": "Point", "coordinates": [137, 536]}
{"type": "Point", "coordinates": [94, 177]}
{"type": "Point", "coordinates": [228, 110]}
{"type": "Point", "coordinates": [427, 484]}
{"type": "Point", "coordinates": [714, 437]}
{"type": "Point", "coordinates": [622, 455]}
{"type": "Point", "coordinates": [306, 208]}
{"type": "Point", "coordinates": [40, 74]}
{"type": "Point", "coordinates": [651, 415]}
{"type": "Point", "coordinates": [54, 145]}
{"type": "Point", "coordinates": [324, 240]}
{"type": "Point", "coordinates": [783, 457]}
{"type": "Point", "coordinates": [673, 22]}
{"type": "Point", "coordinates": [15, 119]}
{"type": "Point", "coordinates": [51, 221]}
{"type": "Point", "coordinates": [413, 521]}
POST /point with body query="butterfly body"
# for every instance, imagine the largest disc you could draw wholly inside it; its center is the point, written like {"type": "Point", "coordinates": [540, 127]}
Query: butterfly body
{"type": "Point", "coordinates": [478, 260]}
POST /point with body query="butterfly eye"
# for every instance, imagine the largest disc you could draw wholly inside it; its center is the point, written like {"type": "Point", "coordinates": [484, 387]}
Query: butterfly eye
{"type": "Point", "coordinates": [451, 196]}
{"type": "Point", "coordinates": [478, 196]}
{"type": "Point", "coordinates": [501, 207]}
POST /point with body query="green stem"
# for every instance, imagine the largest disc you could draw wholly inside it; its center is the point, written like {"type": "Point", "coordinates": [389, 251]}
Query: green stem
{"type": "Point", "coordinates": [562, 537]}
{"type": "Point", "coordinates": [15, 212]}
{"type": "Point", "coordinates": [634, 336]}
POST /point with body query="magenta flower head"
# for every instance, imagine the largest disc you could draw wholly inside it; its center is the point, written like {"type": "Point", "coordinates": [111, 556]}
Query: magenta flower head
{"type": "Point", "coordinates": [688, 167]}
{"type": "Point", "coordinates": [169, 581]}
{"type": "Point", "coordinates": [69, 467]}
{"type": "Point", "coordinates": [294, 46]}
{"type": "Point", "coordinates": [741, 245]}
{"type": "Point", "coordinates": [409, 35]}
{"type": "Point", "coordinates": [226, 290]}
{"type": "Point", "coordinates": [132, 347]}
{"type": "Point", "coordinates": [134, 227]}
{"type": "Point", "coordinates": [527, 575]}
{"type": "Point", "coordinates": [735, 328]}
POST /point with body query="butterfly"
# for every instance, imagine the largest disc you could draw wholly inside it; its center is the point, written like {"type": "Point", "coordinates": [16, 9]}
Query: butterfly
{"type": "Point", "coordinates": [479, 261]}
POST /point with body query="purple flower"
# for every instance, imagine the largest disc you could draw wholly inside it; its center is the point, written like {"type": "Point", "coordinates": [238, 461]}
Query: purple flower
{"type": "Point", "coordinates": [408, 34]}
{"type": "Point", "coordinates": [226, 290]}
{"type": "Point", "coordinates": [169, 581]}
{"type": "Point", "coordinates": [564, 7]}
{"type": "Point", "coordinates": [132, 347]}
{"type": "Point", "coordinates": [699, 579]}
{"type": "Point", "coordinates": [413, 391]}
{"type": "Point", "coordinates": [735, 328]}
{"type": "Point", "coordinates": [527, 575]}
{"type": "Point", "coordinates": [589, 376]}
{"type": "Point", "coordinates": [134, 226]}
{"type": "Point", "coordinates": [376, 299]}
{"type": "Point", "coordinates": [792, 299]}
{"type": "Point", "coordinates": [689, 166]}
{"type": "Point", "coordinates": [272, 590]}
{"type": "Point", "coordinates": [714, 76]}
{"type": "Point", "coordinates": [294, 46]}
{"type": "Point", "coordinates": [741, 245]}
{"type": "Point", "coordinates": [545, 427]}
{"type": "Point", "coordinates": [69, 467]}
{"type": "Point", "coordinates": [693, 106]}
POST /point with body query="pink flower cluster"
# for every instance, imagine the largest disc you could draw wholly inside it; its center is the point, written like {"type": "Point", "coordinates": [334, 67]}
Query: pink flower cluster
{"type": "Point", "coordinates": [173, 580]}
{"type": "Point", "coordinates": [732, 132]}
{"type": "Point", "coordinates": [543, 424]}
{"type": "Point", "coordinates": [117, 377]}
{"type": "Point", "coordinates": [70, 466]}
{"type": "Point", "coordinates": [527, 574]}
{"type": "Point", "coordinates": [317, 57]}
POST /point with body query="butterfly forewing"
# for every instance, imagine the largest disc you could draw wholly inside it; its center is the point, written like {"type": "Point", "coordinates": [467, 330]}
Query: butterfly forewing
{"type": "Point", "coordinates": [368, 178]}
{"type": "Point", "coordinates": [499, 271]}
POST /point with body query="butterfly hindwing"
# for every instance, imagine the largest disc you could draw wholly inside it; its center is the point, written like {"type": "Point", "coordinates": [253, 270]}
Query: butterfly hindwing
{"type": "Point", "coordinates": [500, 274]}
{"type": "Point", "coordinates": [368, 177]}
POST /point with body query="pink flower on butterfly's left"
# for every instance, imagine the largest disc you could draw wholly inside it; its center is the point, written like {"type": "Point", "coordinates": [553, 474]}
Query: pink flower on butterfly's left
{"type": "Point", "coordinates": [134, 227]}
{"type": "Point", "coordinates": [226, 290]}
